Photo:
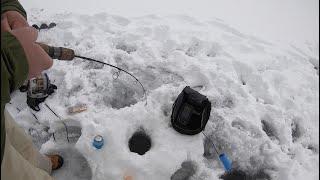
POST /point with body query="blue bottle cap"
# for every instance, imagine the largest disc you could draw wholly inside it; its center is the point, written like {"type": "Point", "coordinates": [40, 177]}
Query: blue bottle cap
{"type": "Point", "coordinates": [98, 142]}
{"type": "Point", "coordinates": [226, 162]}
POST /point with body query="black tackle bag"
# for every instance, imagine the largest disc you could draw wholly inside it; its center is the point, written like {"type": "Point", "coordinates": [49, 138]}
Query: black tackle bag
{"type": "Point", "coordinates": [190, 112]}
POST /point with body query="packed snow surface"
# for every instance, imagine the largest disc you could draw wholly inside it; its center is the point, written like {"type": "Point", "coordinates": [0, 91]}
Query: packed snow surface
{"type": "Point", "coordinates": [290, 21]}
{"type": "Point", "coordinates": [264, 97]}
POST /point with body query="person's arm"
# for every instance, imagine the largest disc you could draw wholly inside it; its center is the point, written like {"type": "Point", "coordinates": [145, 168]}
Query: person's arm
{"type": "Point", "coordinates": [21, 56]}
{"type": "Point", "coordinates": [12, 5]}
{"type": "Point", "coordinates": [14, 71]}
{"type": "Point", "coordinates": [14, 64]}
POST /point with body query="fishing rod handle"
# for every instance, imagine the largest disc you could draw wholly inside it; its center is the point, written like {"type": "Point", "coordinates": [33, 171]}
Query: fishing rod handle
{"type": "Point", "coordinates": [59, 53]}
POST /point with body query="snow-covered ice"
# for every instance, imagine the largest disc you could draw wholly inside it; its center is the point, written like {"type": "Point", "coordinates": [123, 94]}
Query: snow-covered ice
{"type": "Point", "coordinates": [265, 97]}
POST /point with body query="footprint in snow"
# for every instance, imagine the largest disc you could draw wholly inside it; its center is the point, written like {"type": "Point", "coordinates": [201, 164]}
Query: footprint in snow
{"type": "Point", "coordinates": [247, 128]}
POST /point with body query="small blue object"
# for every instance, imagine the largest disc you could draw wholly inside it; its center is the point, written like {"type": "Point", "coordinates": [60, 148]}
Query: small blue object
{"type": "Point", "coordinates": [226, 162]}
{"type": "Point", "coordinates": [98, 142]}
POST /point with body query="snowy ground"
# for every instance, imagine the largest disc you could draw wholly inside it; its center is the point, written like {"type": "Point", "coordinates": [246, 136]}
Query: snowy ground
{"type": "Point", "coordinates": [288, 21]}
{"type": "Point", "coordinates": [264, 96]}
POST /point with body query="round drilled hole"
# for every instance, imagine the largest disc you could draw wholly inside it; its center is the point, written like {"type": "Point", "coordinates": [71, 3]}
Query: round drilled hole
{"type": "Point", "coordinates": [140, 143]}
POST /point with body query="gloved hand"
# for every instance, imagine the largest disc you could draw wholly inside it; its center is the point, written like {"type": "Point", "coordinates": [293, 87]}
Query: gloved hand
{"type": "Point", "coordinates": [16, 24]}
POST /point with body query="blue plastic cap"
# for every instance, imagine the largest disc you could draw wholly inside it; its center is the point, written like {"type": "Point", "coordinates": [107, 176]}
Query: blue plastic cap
{"type": "Point", "coordinates": [97, 145]}
{"type": "Point", "coordinates": [98, 142]}
{"type": "Point", "coordinates": [226, 162]}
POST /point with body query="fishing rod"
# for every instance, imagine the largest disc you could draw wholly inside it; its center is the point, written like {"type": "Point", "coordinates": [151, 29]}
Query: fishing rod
{"type": "Point", "coordinates": [67, 54]}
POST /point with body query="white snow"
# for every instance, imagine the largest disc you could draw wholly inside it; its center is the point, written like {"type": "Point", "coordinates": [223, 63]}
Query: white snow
{"type": "Point", "coordinates": [288, 21]}
{"type": "Point", "coordinates": [264, 95]}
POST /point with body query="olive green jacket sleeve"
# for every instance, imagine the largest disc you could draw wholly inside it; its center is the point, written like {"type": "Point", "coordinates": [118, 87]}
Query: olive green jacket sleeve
{"type": "Point", "coordinates": [12, 5]}
{"type": "Point", "coordinates": [14, 64]}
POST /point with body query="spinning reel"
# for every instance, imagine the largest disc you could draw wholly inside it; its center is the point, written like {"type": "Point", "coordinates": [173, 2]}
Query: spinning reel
{"type": "Point", "coordinates": [38, 89]}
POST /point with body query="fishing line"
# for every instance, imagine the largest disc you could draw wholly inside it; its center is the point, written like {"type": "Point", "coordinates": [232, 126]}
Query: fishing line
{"type": "Point", "coordinates": [64, 124]}
{"type": "Point", "coordinates": [117, 73]}
{"type": "Point", "coordinates": [52, 111]}
{"type": "Point", "coordinates": [214, 146]}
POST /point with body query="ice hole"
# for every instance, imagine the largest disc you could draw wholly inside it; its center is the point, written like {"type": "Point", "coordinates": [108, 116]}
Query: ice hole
{"type": "Point", "coordinates": [140, 142]}
{"type": "Point", "coordinates": [236, 174]}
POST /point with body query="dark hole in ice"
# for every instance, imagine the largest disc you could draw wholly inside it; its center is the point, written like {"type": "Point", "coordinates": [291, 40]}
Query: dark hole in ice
{"type": "Point", "coordinates": [241, 175]}
{"type": "Point", "coordinates": [234, 175]}
{"type": "Point", "coordinates": [140, 142]}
